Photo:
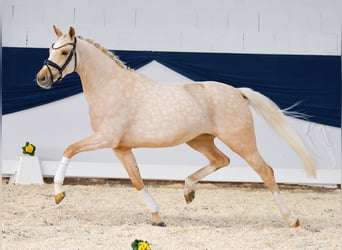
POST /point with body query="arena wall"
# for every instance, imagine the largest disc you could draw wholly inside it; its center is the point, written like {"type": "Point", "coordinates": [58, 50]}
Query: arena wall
{"type": "Point", "coordinates": [238, 26]}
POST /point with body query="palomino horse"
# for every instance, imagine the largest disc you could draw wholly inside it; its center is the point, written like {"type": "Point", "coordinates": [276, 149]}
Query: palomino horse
{"type": "Point", "coordinates": [127, 110]}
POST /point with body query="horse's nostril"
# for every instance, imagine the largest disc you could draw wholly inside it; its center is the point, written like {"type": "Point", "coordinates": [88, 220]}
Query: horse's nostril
{"type": "Point", "coordinates": [43, 78]}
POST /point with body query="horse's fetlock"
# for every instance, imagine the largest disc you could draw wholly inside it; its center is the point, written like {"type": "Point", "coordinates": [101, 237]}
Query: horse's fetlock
{"type": "Point", "coordinates": [189, 183]}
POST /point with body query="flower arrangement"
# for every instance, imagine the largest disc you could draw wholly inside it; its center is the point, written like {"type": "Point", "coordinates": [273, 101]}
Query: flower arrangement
{"type": "Point", "coordinates": [29, 149]}
{"type": "Point", "coordinates": [140, 245]}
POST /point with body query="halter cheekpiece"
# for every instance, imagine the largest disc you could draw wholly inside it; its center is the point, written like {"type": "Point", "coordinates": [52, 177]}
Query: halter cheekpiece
{"type": "Point", "coordinates": [49, 63]}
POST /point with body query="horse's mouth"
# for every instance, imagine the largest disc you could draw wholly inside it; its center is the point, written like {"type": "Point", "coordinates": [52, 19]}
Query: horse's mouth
{"type": "Point", "coordinates": [44, 85]}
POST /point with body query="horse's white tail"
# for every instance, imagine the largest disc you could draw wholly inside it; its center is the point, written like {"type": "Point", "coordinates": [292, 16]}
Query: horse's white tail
{"type": "Point", "coordinates": [274, 116]}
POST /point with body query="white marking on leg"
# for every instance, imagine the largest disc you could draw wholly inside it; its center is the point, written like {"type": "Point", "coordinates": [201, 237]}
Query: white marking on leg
{"type": "Point", "coordinates": [60, 174]}
{"type": "Point", "coordinates": [58, 188]}
{"type": "Point", "coordinates": [151, 204]}
{"type": "Point", "coordinates": [189, 185]}
{"type": "Point", "coordinates": [191, 180]}
{"type": "Point", "coordinates": [287, 214]}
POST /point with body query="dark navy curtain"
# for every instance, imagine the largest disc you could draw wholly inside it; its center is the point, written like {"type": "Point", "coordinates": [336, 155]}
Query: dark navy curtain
{"type": "Point", "coordinates": [314, 81]}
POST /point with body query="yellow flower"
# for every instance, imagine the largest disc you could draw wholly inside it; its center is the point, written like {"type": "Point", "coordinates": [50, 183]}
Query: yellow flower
{"type": "Point", "coordinates": [29, 148]}
{"type": "Point", "coordinates": [143, 246]}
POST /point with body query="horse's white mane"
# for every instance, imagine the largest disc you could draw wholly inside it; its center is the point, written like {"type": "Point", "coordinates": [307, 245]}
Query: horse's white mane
{"type": "Point", "coordinates": [106, 52]}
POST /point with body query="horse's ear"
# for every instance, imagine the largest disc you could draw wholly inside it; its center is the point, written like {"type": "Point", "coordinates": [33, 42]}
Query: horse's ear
{"type": "Point", "coordinates": [71, 32]}
{"type": "Point", "coordinates": [57, 31]}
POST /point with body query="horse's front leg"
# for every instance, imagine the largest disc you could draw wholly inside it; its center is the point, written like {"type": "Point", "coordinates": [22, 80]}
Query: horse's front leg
{"type": "Point", "coordinates": [93, 142]}
{"type": "Point", "coordinates": [127, 159]}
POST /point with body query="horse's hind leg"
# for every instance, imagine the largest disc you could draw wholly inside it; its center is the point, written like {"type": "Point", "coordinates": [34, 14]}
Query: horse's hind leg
{"type": "Point", "coordinates": [205, 145]}
{"type": "Point", "coordinates": [127, 159]}
{"type": "Point", "coordinates": [245, 146]}
{"type": "Point", "coordinates": [267, 175]}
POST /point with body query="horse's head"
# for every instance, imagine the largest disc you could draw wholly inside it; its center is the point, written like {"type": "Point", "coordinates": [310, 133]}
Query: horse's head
{"type": "Point", "coordinates": [62, 59]}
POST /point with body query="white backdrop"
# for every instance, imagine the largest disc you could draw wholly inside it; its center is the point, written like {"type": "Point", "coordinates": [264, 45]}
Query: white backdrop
{"type": "Point", "coordinates": [266, 26]}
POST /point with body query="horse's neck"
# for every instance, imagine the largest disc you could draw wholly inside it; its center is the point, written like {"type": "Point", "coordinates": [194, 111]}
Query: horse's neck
{"type": "Point", "coordinates": [99, 73]}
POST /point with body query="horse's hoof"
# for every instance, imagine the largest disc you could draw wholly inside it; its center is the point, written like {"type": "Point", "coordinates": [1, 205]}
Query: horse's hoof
{"type": "Point", "coordinates": [159, 224]}
{"type": "Point", "coordinates": [296, 224]}
{"type": "Point", "coordinates": [189, 197]}
{"type": "Point", "coordinates": [59, 197]}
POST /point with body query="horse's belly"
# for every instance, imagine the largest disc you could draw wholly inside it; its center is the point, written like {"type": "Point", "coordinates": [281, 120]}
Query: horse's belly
{"type": "Point", "coordinates": [165, 128]}
{"type": "Point", "coordinates": [158, 138]}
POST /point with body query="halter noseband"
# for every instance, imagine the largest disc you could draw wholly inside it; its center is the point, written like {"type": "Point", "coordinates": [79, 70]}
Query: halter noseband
{"type": "Point", "coordinates": [49, 63]}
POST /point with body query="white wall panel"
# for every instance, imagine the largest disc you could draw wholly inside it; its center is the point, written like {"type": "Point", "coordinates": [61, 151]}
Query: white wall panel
{"type": "Point", "coordinates": [175, 25]}
{"type": "Point", "coordinates": [119, 18]}
{"type": "Point", "coordinates": [257, 42]}
{"type": "Point", "coordinates": [274, 20]}
{"type": "Point", "coordinates": [61, 14]}
{"type": "Point", "coordinates": [317, 42]}
{"type": "Point", "coordinates": [305, 21]}
{"type": "Point", "coordinates": [216, 20]}
{"type": "Point", "coordinates": [298, 43]}
{"type": "Point", "coordinates": [282, 42]}
{"type": "Point", "coordinates": [234, 41]}
{"type": "Point", "coordinates": [197, 41]}
{"type": "Point", "coordinates": [152, 40]}
{"type": "Point", "coordinates": [180, 19]}
{"type": "Point", "coordinates": [23, 17]}
{"type": "Point", "coordinates": [243, 20]}
{"type": "Point", "coordinates": [331, 21]}
{"type": "Point", "coordinates": [151, 17]}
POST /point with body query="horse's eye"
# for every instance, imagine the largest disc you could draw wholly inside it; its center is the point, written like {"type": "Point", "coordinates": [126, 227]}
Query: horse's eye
{"type": "Point", "coordinates": [64, 52]}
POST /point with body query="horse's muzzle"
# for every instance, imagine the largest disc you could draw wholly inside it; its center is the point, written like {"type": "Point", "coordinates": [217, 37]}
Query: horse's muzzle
{"type": "Point", "coordinates": [43, 79]}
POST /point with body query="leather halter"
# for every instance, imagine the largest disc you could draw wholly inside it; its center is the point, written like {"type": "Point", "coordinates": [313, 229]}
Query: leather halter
{"type": "Point", "coordinates": [49, 63]}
